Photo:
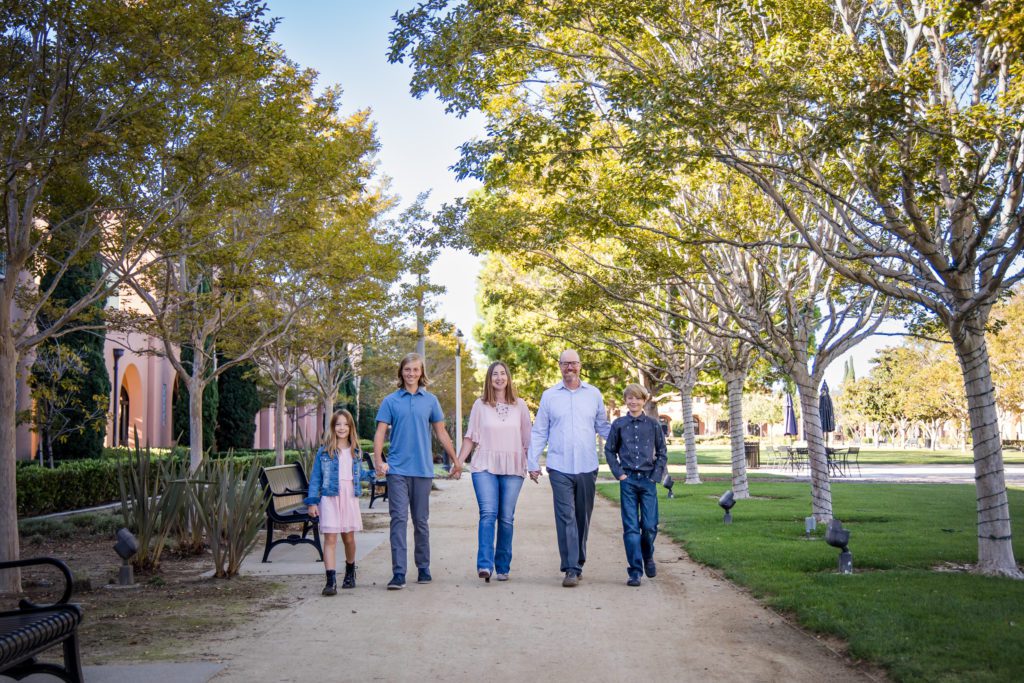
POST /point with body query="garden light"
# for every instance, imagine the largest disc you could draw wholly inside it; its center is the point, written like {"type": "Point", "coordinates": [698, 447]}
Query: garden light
{"type": "Point", "coordinates": [838, 537]}
{"type": "Point", "coordinates": [727, 501]}
{"type": "Point", "coordinates": [810, 524]}
{"type": "Point", "coordinates": [126, 547]}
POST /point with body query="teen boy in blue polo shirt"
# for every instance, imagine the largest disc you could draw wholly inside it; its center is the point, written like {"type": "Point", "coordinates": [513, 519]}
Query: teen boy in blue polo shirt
{"type": "Point", "coordinates": [636, 454]}
{"type": "Point", "coordinates": [411, 412]}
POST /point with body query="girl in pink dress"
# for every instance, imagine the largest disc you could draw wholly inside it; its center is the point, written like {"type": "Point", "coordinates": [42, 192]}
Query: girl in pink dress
{"type": "Point", "coordinates": [334, 489]}
{"type": "Point", "coordinates": [499, 429]}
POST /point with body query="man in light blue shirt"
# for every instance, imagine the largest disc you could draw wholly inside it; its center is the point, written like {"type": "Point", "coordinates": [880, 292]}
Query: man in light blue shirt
{"type": "Point", "coordinates": [571, 413]}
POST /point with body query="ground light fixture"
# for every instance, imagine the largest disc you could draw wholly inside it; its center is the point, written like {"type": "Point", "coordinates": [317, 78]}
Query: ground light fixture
{"type": "Point", "coordinates": [838, 537]}
{"type": "Point", "coordinates": [727, 501]}
{"type": "Point", "coordinates": [810, 524]}
{"type": "Point", "coordinates": [126, 547]}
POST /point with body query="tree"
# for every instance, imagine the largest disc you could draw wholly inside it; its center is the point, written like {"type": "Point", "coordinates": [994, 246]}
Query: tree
{"type": "Point", "coordinates": [237, 407]}
{"type": "Point", "coordinates": [180, 409]}
{"type": "Point", "coordinates": [98, 84]}
{"type": "Point", "coordinates": [72, 394]}
{"type": "Point", "coordinates": [62, 409]}
{"type": "Point", "coordinates": [889, 136]}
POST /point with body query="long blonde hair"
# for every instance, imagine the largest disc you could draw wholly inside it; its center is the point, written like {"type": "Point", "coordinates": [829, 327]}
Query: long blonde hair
{"type": "Point", "coordinates": [510, 389]}
{"type": "Point", "coordinates": [331, 442]}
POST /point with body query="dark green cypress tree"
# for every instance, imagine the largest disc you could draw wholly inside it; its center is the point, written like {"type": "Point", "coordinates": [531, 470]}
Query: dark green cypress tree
{"type": "Point", "coordinates": [86, 411]}
{"type": "Point", "coordinates": [179, 411]}
{"type": "Point", "coordinates": [67, 195]}
{"type": "Point", "coordinates": [236, 411]}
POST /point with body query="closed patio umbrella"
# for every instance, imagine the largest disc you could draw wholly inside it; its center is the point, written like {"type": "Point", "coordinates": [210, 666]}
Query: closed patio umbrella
{"type": "Point", "coordinates": [789, 416]}
{"type": "Point", "coordinates": [828, 415]}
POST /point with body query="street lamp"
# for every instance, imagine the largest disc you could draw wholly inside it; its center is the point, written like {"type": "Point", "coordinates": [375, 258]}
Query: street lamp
{"type": "Point", "coordinates": [117, 395]}
{"type": "Point", "coordinates": [458, 389]}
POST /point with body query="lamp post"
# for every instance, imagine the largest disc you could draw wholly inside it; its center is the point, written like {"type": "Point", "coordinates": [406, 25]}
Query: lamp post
{"type": "Point", "coordinates": [458, 389]}
{"type": "Point", "coordinates": [117, 357]}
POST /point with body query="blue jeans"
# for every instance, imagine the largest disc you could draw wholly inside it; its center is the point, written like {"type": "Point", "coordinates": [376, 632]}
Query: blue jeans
{"type": "Point", "coordinates": [638, 499]}
{"type": "Point", "coordinates": [496, 494]}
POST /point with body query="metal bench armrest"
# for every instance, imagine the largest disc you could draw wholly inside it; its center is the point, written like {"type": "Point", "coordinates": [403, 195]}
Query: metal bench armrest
{"type": "Point", "coordinates": [24, 603]}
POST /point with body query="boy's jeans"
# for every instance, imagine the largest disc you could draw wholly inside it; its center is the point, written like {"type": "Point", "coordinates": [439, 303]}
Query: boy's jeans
{"type": "Point", "coordinates": [638, 499]}
{"type": "Point", "coordinates": [496, 494]}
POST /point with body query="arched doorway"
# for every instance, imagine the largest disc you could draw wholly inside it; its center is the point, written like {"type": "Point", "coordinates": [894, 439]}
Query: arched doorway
{"type": "Point", "coordinates": [131, 406]}
{"type": "Point", "coordinates": [124, 405]}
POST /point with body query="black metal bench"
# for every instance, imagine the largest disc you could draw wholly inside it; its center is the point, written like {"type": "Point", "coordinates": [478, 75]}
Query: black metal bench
{"type": "Point", "coordinates": [286, 487]}
{"type": "Point", "coordinates": [31, 629]}
{"type": "Point", "coordinates": [378, 485]}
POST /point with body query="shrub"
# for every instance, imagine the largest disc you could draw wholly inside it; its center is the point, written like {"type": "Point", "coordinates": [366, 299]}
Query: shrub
{"type": "Point", "coordinates": [227, 501]}
{"type": "Point", "coordinates": [678, 427]}
{"type": "Point", "coordinates": [151, 497]}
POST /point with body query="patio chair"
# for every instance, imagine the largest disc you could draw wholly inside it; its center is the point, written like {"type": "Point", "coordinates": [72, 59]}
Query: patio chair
{"type": "Point", "coordinates": [852, 458]}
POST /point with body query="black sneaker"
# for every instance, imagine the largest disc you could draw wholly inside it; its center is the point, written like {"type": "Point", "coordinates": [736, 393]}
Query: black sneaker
{"type": "Point", "coordinates": [423, 576]}
{"type": "Point", "coordinates": [397, 582]}
{"type": "Point", "coordinates": [650, 569]}
{"type": "Point", "coordinates": [633, 581]}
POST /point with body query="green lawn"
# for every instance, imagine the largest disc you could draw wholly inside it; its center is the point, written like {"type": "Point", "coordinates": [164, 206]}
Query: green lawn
{"type": "Point", "coordinates": [720, 455]}
{"type": "Point", "coordinates": [895, 610]}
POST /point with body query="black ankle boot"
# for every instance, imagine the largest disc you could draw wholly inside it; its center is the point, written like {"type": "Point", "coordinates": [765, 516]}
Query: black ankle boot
{"type": "Point", "coordinates": [331, 588]}
{"type": "Point", "coordinates": [350, 576]}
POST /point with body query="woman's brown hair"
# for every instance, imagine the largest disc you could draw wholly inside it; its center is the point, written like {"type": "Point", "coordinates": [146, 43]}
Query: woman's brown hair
{"type": "Point", "coordinates": [510, 389]}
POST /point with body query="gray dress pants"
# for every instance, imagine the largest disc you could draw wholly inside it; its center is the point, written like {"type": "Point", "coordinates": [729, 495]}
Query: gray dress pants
{"type": "Point", "coordinates": [573, 496]}
{"type": "Point", "coordinates": [405, 495]}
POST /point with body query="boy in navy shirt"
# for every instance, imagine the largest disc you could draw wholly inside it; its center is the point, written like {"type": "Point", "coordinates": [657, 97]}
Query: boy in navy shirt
{"type": "Point", "coordinates": [636, 453]}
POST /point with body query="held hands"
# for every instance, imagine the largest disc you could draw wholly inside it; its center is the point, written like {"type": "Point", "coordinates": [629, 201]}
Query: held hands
{"type": "Point", "coordinates": [535, 475]}
{"type": "Point", "coordinates": [382, 469]}
{"type": "Point", "coordinates": [314, 511]}
{"type": "Point", "coordinates": [456, 471]}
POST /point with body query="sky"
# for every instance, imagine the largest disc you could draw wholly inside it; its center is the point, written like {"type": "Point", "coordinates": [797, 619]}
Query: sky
{"type": "Point", "coordinates": [347, 42]}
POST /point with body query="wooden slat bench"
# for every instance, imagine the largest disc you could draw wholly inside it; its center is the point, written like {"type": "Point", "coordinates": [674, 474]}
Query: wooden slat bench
{"type": "Point", "coordinates": [32, 629]}
{"type": "Point", "coordinates": [286, 488]}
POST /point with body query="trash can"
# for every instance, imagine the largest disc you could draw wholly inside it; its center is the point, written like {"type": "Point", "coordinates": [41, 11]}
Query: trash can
{"type": "Point", "coordinates": [752, 450]}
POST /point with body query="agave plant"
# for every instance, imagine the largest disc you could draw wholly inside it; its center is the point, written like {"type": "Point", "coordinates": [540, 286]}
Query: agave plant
{"type": "Point", "coordinates": [151, 498]}
{"type": "Point", "coordinates": [229, 507]}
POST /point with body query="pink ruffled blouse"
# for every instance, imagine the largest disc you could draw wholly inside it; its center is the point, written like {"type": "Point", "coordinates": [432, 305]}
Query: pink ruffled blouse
{"type": "Point", "coordinates": [502, 437]}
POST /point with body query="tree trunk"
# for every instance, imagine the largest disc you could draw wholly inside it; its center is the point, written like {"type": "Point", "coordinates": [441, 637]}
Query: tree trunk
{"type": "Point", "coordinates": [279, 416]}
{"type": "Point", "coordinates": [995, 547]}
{"type": "Point", "coordinates": [10, 579]}
{"type": "Point", "coordinates": [734, 385]}
{"type": "Point", "coordinates": [195, 422]}
{"type": "Point", "coordinates": [821, 487]}
{"type": "Point", "coordinates": [686, 397]}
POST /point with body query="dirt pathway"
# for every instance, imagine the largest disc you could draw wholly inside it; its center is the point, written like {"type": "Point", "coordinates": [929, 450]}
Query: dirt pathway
{"type": "Point", "coordinates": [684, 625]}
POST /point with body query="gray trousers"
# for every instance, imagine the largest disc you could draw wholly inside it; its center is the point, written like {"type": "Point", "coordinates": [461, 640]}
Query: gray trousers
{"type": "Point", "coordinates": [573, 496]}
{"type": "Point", "coordinates": [407, 494]}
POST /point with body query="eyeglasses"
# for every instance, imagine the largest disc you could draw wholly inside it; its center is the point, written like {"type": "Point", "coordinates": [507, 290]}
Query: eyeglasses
{"type": "Point", "coordinates": [570, 364]}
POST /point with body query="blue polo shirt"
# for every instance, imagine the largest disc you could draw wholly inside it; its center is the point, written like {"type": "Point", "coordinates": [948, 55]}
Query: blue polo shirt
{"type": "Point", "coordinates": [410, 417]}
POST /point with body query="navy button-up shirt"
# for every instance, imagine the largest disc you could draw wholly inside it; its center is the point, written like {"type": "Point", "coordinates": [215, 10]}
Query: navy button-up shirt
{"type": "Point", "coordinates": [636, 444]}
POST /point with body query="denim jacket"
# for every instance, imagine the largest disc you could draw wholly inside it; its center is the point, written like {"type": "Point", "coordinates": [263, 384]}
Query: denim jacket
{"type": "Point", "coordinates": [324, 479]}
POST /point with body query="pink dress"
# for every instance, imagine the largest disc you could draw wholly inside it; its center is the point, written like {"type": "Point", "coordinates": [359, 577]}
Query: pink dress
{"type": "Point", "coordinates": [340, 514]}
{"type": "Point", "coordinates": [502, 437]}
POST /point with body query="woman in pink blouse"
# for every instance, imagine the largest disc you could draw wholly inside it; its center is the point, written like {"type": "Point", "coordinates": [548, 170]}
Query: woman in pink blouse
{"type": "Point", "coordinates": [499, 427]}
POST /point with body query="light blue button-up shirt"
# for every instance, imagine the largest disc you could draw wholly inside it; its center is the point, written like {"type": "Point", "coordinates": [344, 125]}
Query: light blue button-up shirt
{"type": "Point", "coordinates": [566, 423]}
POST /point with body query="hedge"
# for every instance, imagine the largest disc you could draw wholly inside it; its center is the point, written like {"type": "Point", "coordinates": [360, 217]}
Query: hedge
{"type": "Point", "coordinates": [76, 484]}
